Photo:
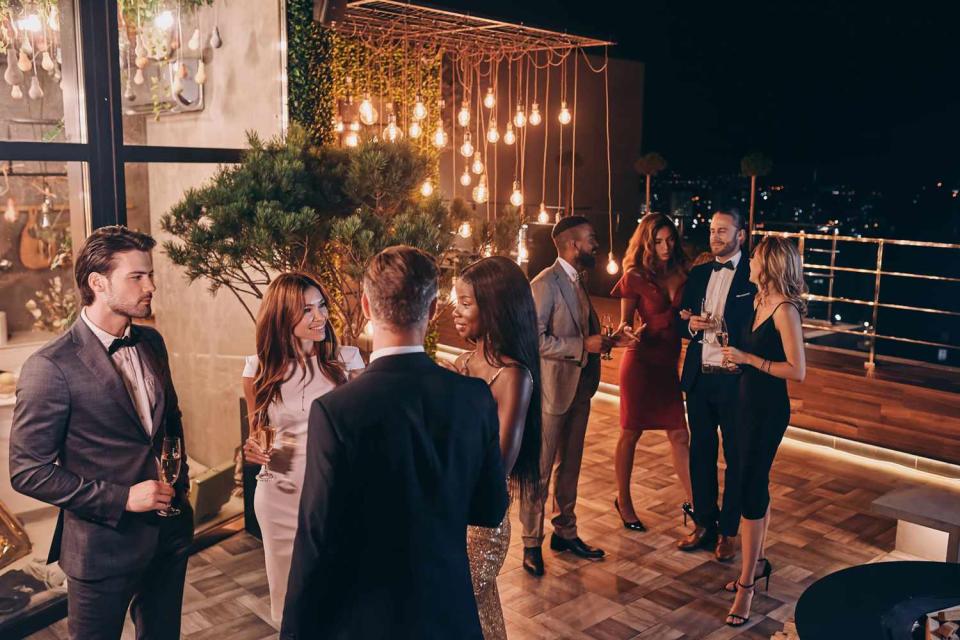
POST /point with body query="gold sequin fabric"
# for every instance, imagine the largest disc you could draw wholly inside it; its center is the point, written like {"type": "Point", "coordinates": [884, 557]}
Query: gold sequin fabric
{"type": "Point", "coordinates": [487, 550]}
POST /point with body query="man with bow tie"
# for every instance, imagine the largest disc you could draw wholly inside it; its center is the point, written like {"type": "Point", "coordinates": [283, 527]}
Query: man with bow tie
{"type": "Point", "coordinates": [93, 407]}
{"type": "Point", "coordinates": [717, 289]}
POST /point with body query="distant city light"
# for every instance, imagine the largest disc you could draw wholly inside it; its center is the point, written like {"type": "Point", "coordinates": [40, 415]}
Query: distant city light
{"type": "Point", "coordinates": [837, 317]}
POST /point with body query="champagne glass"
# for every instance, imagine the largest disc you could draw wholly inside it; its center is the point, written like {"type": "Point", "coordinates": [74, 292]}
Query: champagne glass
{"type": "Point", "coordinates": [266, 435]}
{"type": "Point", "coordinates": [707, 316]}
{"type": "Point", "coordinates": [606, 328]}
{"type": "Point", "coordinates": [723, 337]}
{"type": "Point", "coordinates": [168, 468]}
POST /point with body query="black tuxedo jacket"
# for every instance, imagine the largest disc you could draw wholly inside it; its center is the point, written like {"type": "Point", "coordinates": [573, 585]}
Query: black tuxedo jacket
{"type": "Point", "coordinates": [77, 443]}
{"type": "Point", "coordinates": [738, 312]}
{"type": "Point", "coordinates": [399, 461]}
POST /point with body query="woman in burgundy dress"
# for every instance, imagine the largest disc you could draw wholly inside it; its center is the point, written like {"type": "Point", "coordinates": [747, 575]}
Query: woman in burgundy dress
{"type": "Point", "coordinates": [654, 273]}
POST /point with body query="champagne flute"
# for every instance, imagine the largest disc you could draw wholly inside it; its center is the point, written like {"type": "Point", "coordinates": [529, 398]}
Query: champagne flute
{"type": "Point", "coordinates": [723, 337]}
{"type": "Point", "coordinates": [168, 468]}
{"type": "Point", "coordinates": [606, 328]}
{"type": "Point", "coordinates": [267, 435]}
{"type": "Point", "coordinates": [707, 316]}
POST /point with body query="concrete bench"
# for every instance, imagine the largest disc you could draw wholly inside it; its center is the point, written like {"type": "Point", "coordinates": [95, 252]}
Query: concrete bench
{"type": "Point", "coordinates": [928, 521]}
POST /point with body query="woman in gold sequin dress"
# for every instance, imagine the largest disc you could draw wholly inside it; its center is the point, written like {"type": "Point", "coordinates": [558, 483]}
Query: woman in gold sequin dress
{"type": "Point", "coordinates": [496, 314]}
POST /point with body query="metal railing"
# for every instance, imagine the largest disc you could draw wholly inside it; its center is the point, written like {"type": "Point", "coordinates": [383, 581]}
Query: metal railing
{"type": "Point", "coordinates": [831, 245]}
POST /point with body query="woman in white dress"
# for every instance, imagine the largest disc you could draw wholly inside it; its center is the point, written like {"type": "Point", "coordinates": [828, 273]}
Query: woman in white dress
{"type": "Point", "coordinates": [298, 360]}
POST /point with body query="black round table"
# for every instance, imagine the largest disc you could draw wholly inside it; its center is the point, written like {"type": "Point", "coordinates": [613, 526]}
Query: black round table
{"type": "Point", "coordinates": [875, 601]}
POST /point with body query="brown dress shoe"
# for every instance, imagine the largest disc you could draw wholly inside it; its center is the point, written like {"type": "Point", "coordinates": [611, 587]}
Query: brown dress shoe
{"type": "Point", "coordinates": [699, 538]}
{"type": "Point", "coordinates": [725, 548]}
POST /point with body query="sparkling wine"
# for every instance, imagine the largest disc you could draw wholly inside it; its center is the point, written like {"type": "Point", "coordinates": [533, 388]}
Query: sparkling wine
{"type": "Point", "coordinates": [723, 338]}
{"type": "Point", "coordinates": [267, 437]}
{"type": "Point", "coordinates": [169, 468]}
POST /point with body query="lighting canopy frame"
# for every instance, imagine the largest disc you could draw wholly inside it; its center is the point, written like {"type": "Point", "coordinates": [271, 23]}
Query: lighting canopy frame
{"type": "Point", "coordinates": [450, 30]}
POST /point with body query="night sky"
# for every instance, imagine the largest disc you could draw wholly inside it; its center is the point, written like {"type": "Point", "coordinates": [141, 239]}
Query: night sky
{"type": "Point", "coordinates": [846, 89]}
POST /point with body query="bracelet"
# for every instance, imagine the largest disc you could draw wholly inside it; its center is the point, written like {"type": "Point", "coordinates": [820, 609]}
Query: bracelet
{"type": "Point", "coordinates": [763, 364]}
{"type": "Point", "coordinates": [769, 364]}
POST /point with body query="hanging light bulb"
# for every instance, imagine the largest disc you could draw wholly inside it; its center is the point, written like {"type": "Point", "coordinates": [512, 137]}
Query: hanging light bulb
{"type": "Point", "coordinates": [522, 254]}
{"type": "Point", "coordinates": [564, 116]}
{"type": "Point", "coordinates": [489, 100]}
{"type": "Point", "coordinates": [516, 198]}
{"type": "Point", "coordinates": [164, 20]}
{"type": "Point", "coordinates": [519, 118]}
{"type": "Point", "coordinates": [466, 149]}
{"type": "Point", "coordinates": [463, 117]}
{"type": "Point", "coordinates": [368, 113]}
{"type": "Point", "coordinates": [351, 139]}
{"type": "Point", "coordinates": [419, 109]}
{"type": "Point", "coordinates": [439, 136]}
{"type": "Point", "coordinates": [535, 118]}
{"type": "Point", "coordinates": [392, 132]}
{"type": "Point", "coordinates": [477, 166]}
{"type": "Point", "coordinates": [493, 134]}
{"type": "Point", "coordinates": [426, 189]}
{"type": "Point", "coordinates": [612, 266]}
{"type": "Point", "coordinates": [509, 137]}
{"type": "Point", "coordinates": [415, 129]}
{"type": "Point", "coordinates": [355, 125]}
{"type": "Point", "coordinates": [465, 230]}
{"type": "Point", "coordinates": [480, 193]}
{"type": "Point", "coordinates": [10, 213]}
{"type": "Point", "coordinates": [542, 216]}
{"type": "Point", "coordinates": [465, 177]}
{"type": "Point", "coordinates": [338, 124]}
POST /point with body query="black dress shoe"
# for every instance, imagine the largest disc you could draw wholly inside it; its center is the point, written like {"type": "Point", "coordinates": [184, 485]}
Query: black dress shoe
{"type": "Point", "coordinates": [575, 545]}
{"type": "Point", "coordinates": [533, 561]}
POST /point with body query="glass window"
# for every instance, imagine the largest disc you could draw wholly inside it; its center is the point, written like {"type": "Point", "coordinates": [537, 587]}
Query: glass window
{"type": "Point", "coordinates": [39, 96]}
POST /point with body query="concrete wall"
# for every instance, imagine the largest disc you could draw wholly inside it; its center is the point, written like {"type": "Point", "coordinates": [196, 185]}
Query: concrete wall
{"type": "Point", "coordinates": [209, 336]}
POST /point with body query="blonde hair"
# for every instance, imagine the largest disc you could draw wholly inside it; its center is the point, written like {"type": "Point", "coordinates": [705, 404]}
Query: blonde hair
{"type": "Point", "coordinates": [781, 270]}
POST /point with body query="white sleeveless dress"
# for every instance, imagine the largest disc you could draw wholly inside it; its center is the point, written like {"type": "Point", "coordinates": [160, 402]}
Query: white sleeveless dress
{"type": "Point", "coordinates": [276, 502]}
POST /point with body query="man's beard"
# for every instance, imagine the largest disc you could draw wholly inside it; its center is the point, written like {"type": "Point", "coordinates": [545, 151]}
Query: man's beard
{"type": "Point", "coordinates": [587, 260]}
{"type": "Point", "coordinates": [727, 249]}
{"type": "Point", "coordinates": [136, 310]}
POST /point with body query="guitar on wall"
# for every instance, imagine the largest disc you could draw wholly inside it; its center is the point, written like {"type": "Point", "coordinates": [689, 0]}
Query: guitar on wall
{"type": "Point", "coordinates": [35, 252]}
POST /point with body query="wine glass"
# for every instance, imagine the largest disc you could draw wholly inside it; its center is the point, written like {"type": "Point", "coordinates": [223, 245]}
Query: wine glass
{"type": "Point", "coordinates": [266, 435]}
{"type": "Point", "coordinates": [168, 468]}
{"type": "Point", "coordinates": [707, 316]}
{"type": "Point", "coordinates": [723, 337]}
{"type": "Point", "coordinates": [606, 328]}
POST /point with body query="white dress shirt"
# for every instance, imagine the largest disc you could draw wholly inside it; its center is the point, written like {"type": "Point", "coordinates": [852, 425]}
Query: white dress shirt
{"type": "Point", "coordinates": [717, 289]}
{"type": "Point", "coordinates": [140, 383]}
{"type": "Point", "coordinates": [396, 351]}
{"type": "Point", "coordinates": [569, 270]}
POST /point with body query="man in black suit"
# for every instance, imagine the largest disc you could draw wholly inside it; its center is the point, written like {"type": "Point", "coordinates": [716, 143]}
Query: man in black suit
{"type": "Point", "coordinates": [722, 288]}
{"type": "Point", "coordinates": [399, 461]}
{"type": "Point", "coordinates": [93, 407]}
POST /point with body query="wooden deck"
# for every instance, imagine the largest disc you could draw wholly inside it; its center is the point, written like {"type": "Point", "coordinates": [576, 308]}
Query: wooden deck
{"type": "Point", "coordinates": [644, 588]}
{"type": "Point", "coordinates": [911, 409]}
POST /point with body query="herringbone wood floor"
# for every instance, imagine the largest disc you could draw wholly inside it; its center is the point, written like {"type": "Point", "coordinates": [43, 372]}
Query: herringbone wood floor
{"type": "Point", "coordinates": [644, 588]}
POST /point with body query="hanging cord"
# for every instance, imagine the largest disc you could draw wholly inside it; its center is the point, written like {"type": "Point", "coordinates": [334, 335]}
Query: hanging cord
{"type": "Point", "coordinates": [563, 95]}
{"type": "Point", "coordinates": [546, 140]}
{"type": "Point", "coordinates": [606, 106]}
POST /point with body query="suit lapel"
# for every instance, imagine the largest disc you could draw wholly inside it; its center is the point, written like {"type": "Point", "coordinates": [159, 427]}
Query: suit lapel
{"type": "Point", "coordinates": [569, 295]}
{"type": "Point", "coordinates": [92, 354]}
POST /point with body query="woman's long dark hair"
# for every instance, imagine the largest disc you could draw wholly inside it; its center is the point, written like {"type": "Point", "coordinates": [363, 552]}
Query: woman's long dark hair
{"type": "Point", "coordinates": [508, 326]}
{"type": "Point", "coordinates": [281, 310]}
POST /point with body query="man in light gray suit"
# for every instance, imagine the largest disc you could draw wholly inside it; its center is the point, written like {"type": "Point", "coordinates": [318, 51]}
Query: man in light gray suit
{"type": "Point", "coordinates": [570, 347]}
{"type": "Point", "coordinates": [93, 407]}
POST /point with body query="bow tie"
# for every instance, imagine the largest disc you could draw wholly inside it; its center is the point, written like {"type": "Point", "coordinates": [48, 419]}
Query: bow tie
{"type": "Point", "coordinates": [120, 343]}
{"type": "Point", "coordinates": [717, 266]}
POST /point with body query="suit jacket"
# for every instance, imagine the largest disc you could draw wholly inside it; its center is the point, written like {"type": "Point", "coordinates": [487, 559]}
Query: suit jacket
{"type": "Point", "coordinates": [399, 461]}
{"type": "Point", "coordinates": [77, 443]}
{"type": "Point", "coordinates": [737, 312]}
{"type": "Point", "coordinates": [563, 326]}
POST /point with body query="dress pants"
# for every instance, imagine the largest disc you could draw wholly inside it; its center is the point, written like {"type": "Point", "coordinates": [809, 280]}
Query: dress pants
{"type": "Point", "coordinates": [562, 447]}
{"type": "Point", "coordinates": [712, 402]}
{"type": "Point", "coordinates": [96, 609]}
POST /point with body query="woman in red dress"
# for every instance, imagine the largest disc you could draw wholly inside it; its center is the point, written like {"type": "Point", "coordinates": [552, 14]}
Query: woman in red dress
{"type": "Point", "coordinates": [654, 273]}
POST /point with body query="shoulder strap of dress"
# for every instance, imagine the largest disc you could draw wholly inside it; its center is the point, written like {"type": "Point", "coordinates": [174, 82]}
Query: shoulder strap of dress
{"type": "Point", "coordinates": [509, 366]}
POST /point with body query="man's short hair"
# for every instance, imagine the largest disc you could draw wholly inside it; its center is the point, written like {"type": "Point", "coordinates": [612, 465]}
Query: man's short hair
{"type": "Point", "coordinates": [400, 283]}
{"type": "Point", "coordinates": [567, 223]}
{"type": "Point", "coordinates": [733, 213]}
{"type": "Point", "coordinates": [98, 251]}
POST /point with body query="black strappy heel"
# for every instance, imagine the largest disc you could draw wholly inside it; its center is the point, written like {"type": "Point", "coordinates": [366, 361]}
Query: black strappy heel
{"type": "Point", "coordinates": [636, 525]}
{"type": "Point", "coordinates": [731, 587]}
{"type": "Point", "coordinates": [687, 509]}
{"type": "Point", "coordinates": [739, 620]}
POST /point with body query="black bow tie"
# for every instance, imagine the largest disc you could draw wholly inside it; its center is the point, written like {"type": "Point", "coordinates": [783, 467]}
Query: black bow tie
{"type": "Point", "coordinates": [120, 343]}
{"type": "Point", "coordinates": [717, 266]}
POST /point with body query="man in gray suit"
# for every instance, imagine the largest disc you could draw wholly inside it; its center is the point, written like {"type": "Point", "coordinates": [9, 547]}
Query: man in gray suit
{"type": "Point", "coordinates": [93, 407]}
{"type": "Point", "coordinates": [570, 347]}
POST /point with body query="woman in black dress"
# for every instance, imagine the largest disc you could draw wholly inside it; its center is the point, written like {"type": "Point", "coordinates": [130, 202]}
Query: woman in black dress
{"type": "Point", "coordinates": [772, 353]}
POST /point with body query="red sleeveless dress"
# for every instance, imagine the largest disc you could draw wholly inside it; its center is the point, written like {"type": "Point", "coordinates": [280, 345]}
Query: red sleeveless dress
{"type": "Point", "coordinates": [650, 396]}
